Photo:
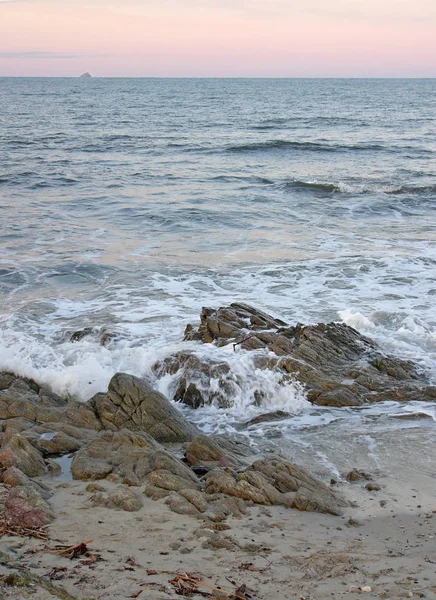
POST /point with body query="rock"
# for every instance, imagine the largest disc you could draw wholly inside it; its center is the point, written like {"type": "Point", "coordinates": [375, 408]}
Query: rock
{"type": "Point", "coordinates": [103, 336]}
{"type": "Point", "coordinates": [218, 451]}
{"type": "Point", "coordinates": [121, 498]}
{"type": "Point", "coordinates": [195, 375]}
{"type": "Point", "coordinates": [25, 507]}
{"type": "Point", "coordinates": [271, 481]}
{"type": "Point", "coordinates": [197, 504]}
{"type": "Point", "coordinates": [337, 365]}
{"type": "Point", "coordinates": [85, 75]}
{"type": "Point", "coordinates": [372, 487]}
{"type": "Point", "coordinates": [131, 403]}
{"type": "Point", "coordinates": [16, 478]}
{"type": "Point", "coordinates": [95, 487]}
{"type": "Point", "coordinates": [6, 380]}
{"type": "Point", "coordinates": [82, 415]}
{"type": "Point", "coordinates": [228, 323]}
{"type": "Point", "coordinates": [81, 333]}
{"type": "Point", "coordinates": [131, 456]}
{"type": "Point", "coordinates": [356, 474]}
{"type": "Point", "coordinates": [277, 415]}
{"type": "Point", "coordinates": [16, 451]}
{"type": "Point", "coordinates": [301, 490]}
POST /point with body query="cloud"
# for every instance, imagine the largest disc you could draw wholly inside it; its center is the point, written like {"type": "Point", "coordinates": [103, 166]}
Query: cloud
{"type": "Point", "coordinates": [41, 55]}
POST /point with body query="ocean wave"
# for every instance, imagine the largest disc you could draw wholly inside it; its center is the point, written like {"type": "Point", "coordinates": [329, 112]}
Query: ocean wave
{"type": "Point", "coordinates": [304, 146]}
{"type": "Point", "coordinates": [356, 188]}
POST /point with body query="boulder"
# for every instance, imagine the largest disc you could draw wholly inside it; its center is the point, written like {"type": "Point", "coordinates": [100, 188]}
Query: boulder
{"type": "Point", "coordinates": [25, 507]}
{"type": "Point", "coordinates": [16, 478]}
{"type": "Point", "coordinates": [275, 481]}
{"type": "Point", "coordinates": [131, 456]}
{"type": "Point", "coordinates": [17, 451]}
{"type": "Point", "coordinates": [121, 498]}
{"type": "Point", "coordinates": [336, 364]}
{"type": "Point", "coordinates": [131, 403]}
{"type": "Point", "coordinates": [218, 451]}
{"type": "Point", "coordinates": [195, 375]}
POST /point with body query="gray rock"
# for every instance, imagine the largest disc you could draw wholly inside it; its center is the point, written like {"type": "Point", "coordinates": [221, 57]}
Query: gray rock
{"type": "Point", "coordinates": [121, 498]}
{"type": "Point", "coordinates": [128, 455]}
{"type": "Point", "coordinates": [16, 451]}
{"type": "Point", "coordinates": [131, 403]}
{"type": "Point", "coordinates": [213, 451]}
{"type": "Point", "coordinates": [337, 365]}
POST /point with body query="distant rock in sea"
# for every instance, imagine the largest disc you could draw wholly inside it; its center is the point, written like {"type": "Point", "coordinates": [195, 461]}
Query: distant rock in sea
{"type": "Point", "coordinates": [86, 75]}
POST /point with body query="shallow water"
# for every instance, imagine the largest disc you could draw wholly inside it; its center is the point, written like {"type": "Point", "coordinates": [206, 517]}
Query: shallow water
{"type": "Point", "coordinates": [129, 204]}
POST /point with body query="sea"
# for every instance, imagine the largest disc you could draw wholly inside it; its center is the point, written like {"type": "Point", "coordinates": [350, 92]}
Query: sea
{"type": "Point", "coordinates": [126, 205]}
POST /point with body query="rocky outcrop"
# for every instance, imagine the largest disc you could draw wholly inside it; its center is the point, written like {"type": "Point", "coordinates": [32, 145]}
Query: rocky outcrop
{"type": "Point", "coordinates": [129, 455]}
{"type": "Point", "coordinates": [218, 451]}
{"type": "Point", "coordinates": [13, 477]}
{"type": "Point", "coordinates": [336, 364]}
{"type": "Point", "coordinates": [25, 507]}
{"type": "Point", "coordinates": [271, 481]}
{"type": "Point", "coordinates": [16, 451]}
{"type": "Point", "coordinates": [121, 498]}
{"type": "Point", "coordinates": [131, 403]}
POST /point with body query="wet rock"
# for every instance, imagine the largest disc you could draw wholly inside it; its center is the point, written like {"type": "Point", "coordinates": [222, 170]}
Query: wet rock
{"type": "Point", "coordinates": [337, 365]}
{"type": "Point", "coordinates": [195, 376]}
{"type": "Point", "coordinates": [81, 333]}
{"type": "Point", "coordinates": [55, 439]}
{"type": "Point", "coordinates": [372, 487]}
{"type": "Point", "coordinates": [356, 474]}
{"type": "Point", "coordinates": [25, 507]}
{"type": "Point", "coordinates": [103, 336]}
{"type": "Point", "coordinates": [228, 323]}
{"type": "Point", "coordinates": [277, 415]}
{"type": "Point", "coordinates": [131, 403]}
{"type": "Point", "coordinates": [6, 380]}
{"type": "Point", "coordinates": [16, 451]}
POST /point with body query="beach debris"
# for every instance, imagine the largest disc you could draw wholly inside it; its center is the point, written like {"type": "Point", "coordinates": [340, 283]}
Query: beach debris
{"type": "Point", "coordinates": [80, 549]}
{"type": "Point", "coordinates": [7, 527]}
{"type": "Point", "coordinates": [188, 584]}
{"type": "Point", "coordinates": [252, 567]}
{"type": "Point", "coordinates": [357, 588]}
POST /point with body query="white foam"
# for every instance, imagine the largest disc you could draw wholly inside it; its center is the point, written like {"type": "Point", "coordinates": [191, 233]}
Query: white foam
{"type": "Point", "coordinates": [356, 319]}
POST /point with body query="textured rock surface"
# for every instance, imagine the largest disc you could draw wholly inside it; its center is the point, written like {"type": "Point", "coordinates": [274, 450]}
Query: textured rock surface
{"type": "Point", "coordinates": [25, 507]}
{"type": "Point", "coordinates": [217, 451]}
{"type": "Point", "coordinates": [337, 365]}
{"type": "Point", "coordinates": [121, 498]}
{"type": "Point", "coordinates": [131, 403]}
{"type": "Point", "coordinates": [130, 455]}
{"type": "Point", "coordinates": [16, 451]}
{"type": "Point", "coordinates": [13, 477]}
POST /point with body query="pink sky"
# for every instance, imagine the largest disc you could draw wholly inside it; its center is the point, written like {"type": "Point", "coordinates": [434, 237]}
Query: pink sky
{"type": "Point", "coordinates": [252, 38]}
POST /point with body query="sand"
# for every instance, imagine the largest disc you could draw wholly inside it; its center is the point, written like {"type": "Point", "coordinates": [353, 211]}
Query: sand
{"type": "Point", "coordinates": [387, 543]}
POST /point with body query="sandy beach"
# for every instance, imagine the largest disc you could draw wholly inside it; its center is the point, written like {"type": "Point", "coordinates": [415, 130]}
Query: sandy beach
{"type": "Point", "coordinates": [387, 543]}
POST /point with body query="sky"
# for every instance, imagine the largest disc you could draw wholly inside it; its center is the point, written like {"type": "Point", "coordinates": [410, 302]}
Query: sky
{"type": "Point", "coordinates": [218, 38]}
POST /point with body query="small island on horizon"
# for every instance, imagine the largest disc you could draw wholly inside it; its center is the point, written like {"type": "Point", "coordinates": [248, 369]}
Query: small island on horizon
{"type": "Point", "coordinates": [85, 75]}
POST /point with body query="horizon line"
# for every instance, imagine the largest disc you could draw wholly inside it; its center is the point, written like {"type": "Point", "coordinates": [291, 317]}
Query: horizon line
{"type": "Point", "coordinates": [412, 77]}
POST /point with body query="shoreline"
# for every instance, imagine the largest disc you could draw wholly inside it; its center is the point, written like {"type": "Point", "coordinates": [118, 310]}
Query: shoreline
{"type": "Point", "coordinates": [272, 550]}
